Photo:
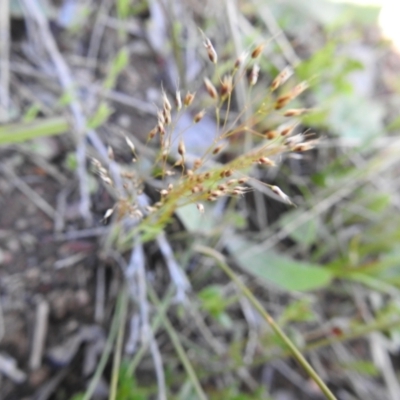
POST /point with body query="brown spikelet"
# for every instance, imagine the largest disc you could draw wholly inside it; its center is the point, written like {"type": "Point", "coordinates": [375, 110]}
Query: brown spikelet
{"type": "Point", "coordinates": [283, 101]}
{"type": "Point", "coordinates": [167, 116]}
{"type": "Point", "coordinates": [153, 133]}
{"type": "Point", "coordinates": [199, 116]}
{"type": "Point", "coordinates": [212, 54]}
{"type": "Point", "coordinates": [265, 161]}
{"type": "Point", "coordinates": [228, 173]}
{"type": "Point", "coordinates": [271, 134]}
{"type": "Point", "coordinates": [226, 86]}
{"type": "Point", "coordinates": [295, 112]}
{"type": "Point", "coordinates": [282, 77]}
{"type": "Point", "coordinates": [218, 149]}
{"type": "Point", "coordinates": [181, 148]}
{"type": "Point", "coordinates": [196, 189]}
{"type": "Point", "coordinates": [257, 51]}
{"type": "Point", "coordinates": [188, 100]}
{"type": "Point", "coordinates": [287, 131]}
{"type": "Point", "coordinates": [211, 90]}
{"type": "Point", "coordinates": [197, 163]}
{"type": "Point", "coordinates": [161, 129]}
{"type": "Point", "coordinates": [166, 104]}
{"type": "Point", "coordinates": [239, 61]}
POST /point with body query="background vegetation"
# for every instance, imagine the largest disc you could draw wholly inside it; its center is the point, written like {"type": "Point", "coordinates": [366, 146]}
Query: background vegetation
{"type": "Point", "coordinates": [152, 250]}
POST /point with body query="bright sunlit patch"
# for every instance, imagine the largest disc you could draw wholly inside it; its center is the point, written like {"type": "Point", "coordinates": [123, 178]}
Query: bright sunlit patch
{"type": "Point", "coordinates": [389, 21]}
{"type": "Point", "coordinates": [388, 17]}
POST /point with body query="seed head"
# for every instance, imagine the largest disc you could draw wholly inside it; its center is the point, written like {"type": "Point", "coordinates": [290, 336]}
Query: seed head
{"type": "Point", "coordinates": [266, 161]}
{"type": "Point", "coordinates": [161, 128]}
{"type": "Point", "coordinates": [163, 192]}
{"type": "Point", "coordinates": [153, 132]}
{"type": "Point", "coordinates": [279, 193]}
{"type": "Point", "coordinates": [200, 207]}
{"type": "Point", "coordinates": [210, 89]}
{"type": "Point", "coordinates": [108, 213]}
{"type": "Point", "coordinates": [181, 148]}
{"type": "Point", "coordinates": [217, 193]}
{"type": "Point", "coordinates": [199, 116]}
{"type": "Point", "coordinates": [257, 51]}
{"type": "Point", "coordinates": [178, 100]}
{"type": "Point", "coordinates": [226, 86]}
{"type": "Point", "coordinates": [283, 101]}
{"type": "Point", "coordinates": [240, 60]}
{"type": "Point", "coordinates": [254, 75]}
{"type": "Point", "coordinates": [166, 103]}
{"type": "Point", "coordinates": [212, 54]}
{"type": "Point", "coordinates": [243, 180]}
{"type": "Point", "coordinates": [196, 189]}
{"type": "Point", "coordinates": [110, 153]}
{"type": "Point", "coordinates": [270, 134]}
{"type": "Point", "coordinates": [160, 117]}
{"type": "Point", "coordinates": [227, 173]}
{"type": "Point", "coordinates": [288, 130]}
{"type": "Point", "coordinates": [295, 112]}
{"type": "Point", "coordinates": [282, 77]}
{"type": "Point", "coordinates": [218, 149]}
{"type": "Point", "coordinates": [130, 144]}
{"type": "Point", "coordinates": [197, 163]}
{"type": "Point", "coordinates": [188, 100]}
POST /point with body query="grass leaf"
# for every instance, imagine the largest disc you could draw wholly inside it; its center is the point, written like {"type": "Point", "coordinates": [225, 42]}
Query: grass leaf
{"type": "Point", "coordinates": [278, 269]}
{"type": "Point", "coordinates": [22, 131]}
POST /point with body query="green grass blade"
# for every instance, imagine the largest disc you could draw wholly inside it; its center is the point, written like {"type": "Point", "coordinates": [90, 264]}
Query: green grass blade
{"type": "Point", "coordinates": [22, 131]}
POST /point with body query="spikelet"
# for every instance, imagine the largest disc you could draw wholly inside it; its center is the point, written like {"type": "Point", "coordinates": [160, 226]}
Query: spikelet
{"type": "Point", "coordinates": [254, 75]}
{"type": "Point", "coordinates": [282, 77]}
{"type": "Point", "coordinates": [257, 51]}
{"type": "Point", "coordinates": [239, 61]}
{"type": "Point", "coordinates": [199, 116]}
{"type": "Point", "coordinates": [188, 100]}
{"type": "Point", "coordinates": [295, 112]}
{"type": "Point", "coordinates": [200, 207]}
{"type": "Point", "coordinates": [178, 100]}
{"type": "Point", "coordinates": [212, 54]}
{"type": "Point", "coordinates": [211, 90]}
{"type": "Point", "coordinates": [226, 86]}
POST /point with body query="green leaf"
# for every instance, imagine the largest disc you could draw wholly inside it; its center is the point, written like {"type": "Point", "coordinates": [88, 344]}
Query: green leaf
{"type": "Point", "coordinates": [306, 233]}
{"type": "Point", "coordinates": [362, 367]}
{"type": "Point", "coordinates": [194, 220]}
{"type": "Point", "coordinates": [278, 269]}
{"type": "Point", "coordinates": [101, 115]}
{"type": "Point", "coordinates": [20, 132]}
{"type": "Point", "coordinates": [354, 117]}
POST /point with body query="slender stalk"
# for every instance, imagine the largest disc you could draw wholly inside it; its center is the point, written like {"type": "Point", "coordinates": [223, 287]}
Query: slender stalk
{"type": "Point", "coordinates": [179, 348]}
{"type": "Point", "coordinates": [118, 346]}
{"type": "Point", "coordinates": [275, 327]}
{"type": "Point", "coordinates": [107, 348]}
{"type": "Point", "coordinates": [154, 327]}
